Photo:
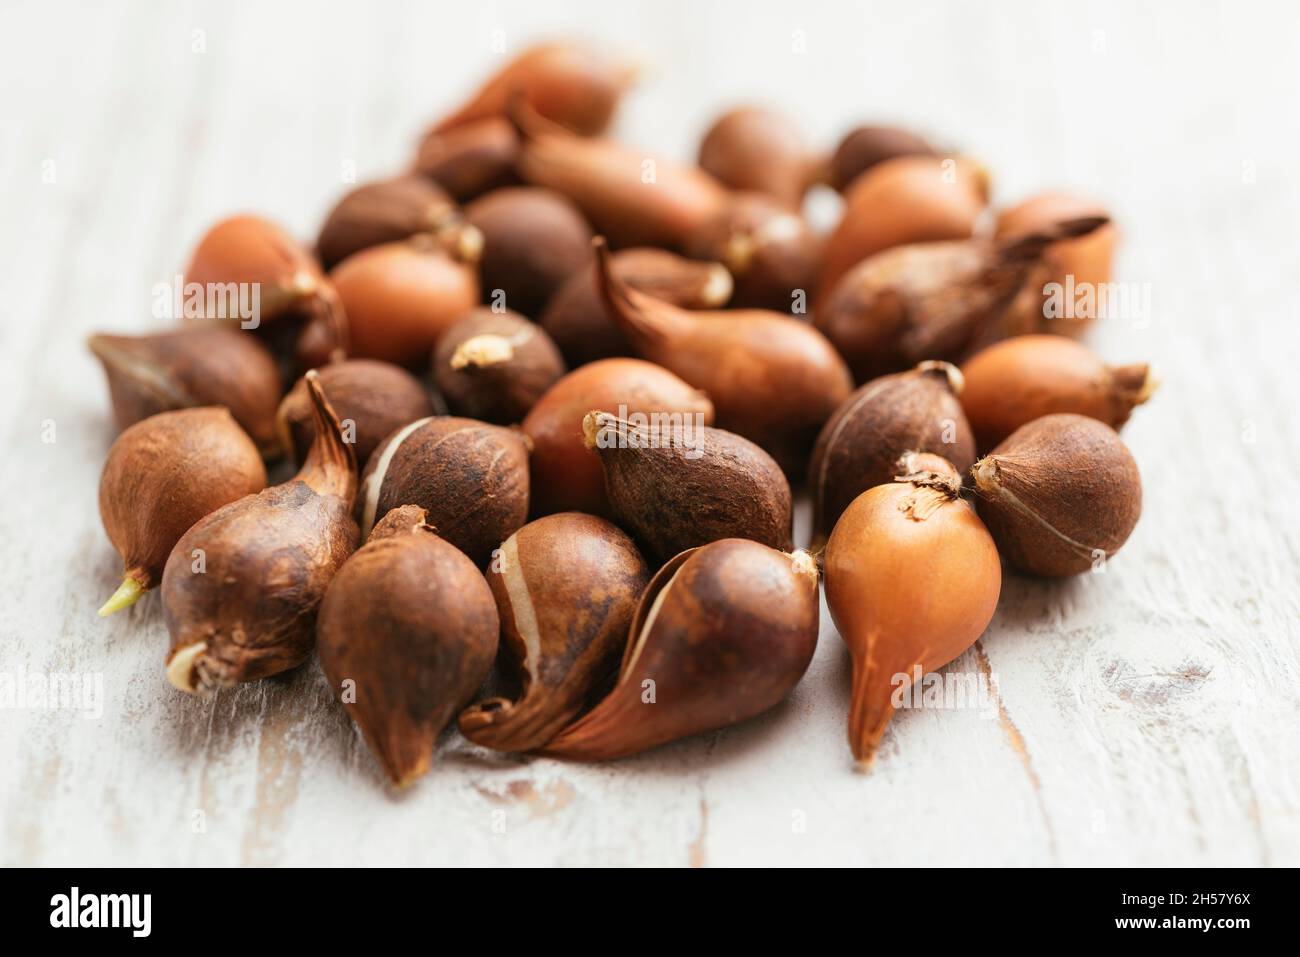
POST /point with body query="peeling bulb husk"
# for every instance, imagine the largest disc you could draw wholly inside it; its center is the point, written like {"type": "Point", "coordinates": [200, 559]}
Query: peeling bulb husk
{"type": "Point", "coordinates": [565, 586]}
{"type": "Point", "coordinates": [721, 634]}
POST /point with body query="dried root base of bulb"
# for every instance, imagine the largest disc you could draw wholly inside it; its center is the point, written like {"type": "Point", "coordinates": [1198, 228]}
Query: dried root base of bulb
{"type": "Point", "coordinates": [1060, 495]}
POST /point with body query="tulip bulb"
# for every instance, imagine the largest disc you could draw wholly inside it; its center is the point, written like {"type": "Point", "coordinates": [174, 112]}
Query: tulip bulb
{"type": "Point", "coordinates": [409, 628]}
{"type": "Point", "coordinates": [859, 447]}
{"type": "Point", "coordinates": [933, 300]}
{"type": "Point", "coordinates": [773, 379]}
{"type": "Point", "coordinates": [581, 324]}
{"type": "Point", "coordinates": [193, 367]}
{"type": "Point", "coordinates": [1015, 381]}
{"type": "Point", "coordinates": [565, 587]}
{"type": "Point", "coordinates": [162, 475]}
{"type": "Point", "coordinates": [759, 150]}
{"type": "Point", "coordinates": [908, 199]}
{"type": "Point", "coordinates": [574, 85]}
{"type": "Point", "coordinates": [298, 309]}
{"type": "Point", "coordinates": [912, 581]}
{"type": "Point", "coordinates": [1060, 495]}
{"type": "Point", "coordinates": [242, 587]}
{"type": "Point", "coordinates": [680, 487]}
{"type": "Point", "coordinates": [566, 475]}
{"type": "Point", "coordinates": [770, 251]}
{"type": "Point", "coordinates": [722, 633]}
{"type": "Point", "coordinates": [634, 199]}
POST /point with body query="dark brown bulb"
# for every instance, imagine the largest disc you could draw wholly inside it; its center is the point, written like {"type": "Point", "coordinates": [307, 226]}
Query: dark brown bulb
{"type": "Point", "coordinates": [242, 587]}
{"type": "Point", "coordinates": [677, 486]}
{"type": "Point", "coordinates": [406, 634]}
{"type": "Point", "coordinates": [565, 586]}
{"type": "Point", "coordinates": [389, 211]}
{"type": "Point", "coordinates": [759, 150]}
{"type": "Point", "coordinates": [772, 254]}
{"type": "Point", "coordinates": [860, 445]}
{"type": "Point", "coordinates": [192, 367]}
{"type": "Point", "coordinates": [495, 366]}
{"type": "Point", "coordinates": [864, 147]}
{"type": "Point", "coordinates": [471, 478]}
{"type": "Point", "coordinates": [470, 160]}
{"type": "Point", "coordinates": [722, 633]}
{"type": "Point", "coordinates": [371, 399]}
{"type": "Point", "coordinates": [533, 240]}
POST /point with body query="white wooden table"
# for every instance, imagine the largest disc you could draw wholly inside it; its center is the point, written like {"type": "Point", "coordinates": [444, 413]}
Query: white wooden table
{"type": "Point", "coordinates": [1144, 716]}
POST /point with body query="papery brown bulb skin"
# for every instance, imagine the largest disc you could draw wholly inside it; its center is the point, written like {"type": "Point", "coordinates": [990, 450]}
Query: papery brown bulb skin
{"type": "Point", "coordinates": [1086, 259]}
{"type": "Point", "coordinates": [471, 478]}
{"type": "Point", "coordinates": [770, 251]}
{"type": "Point", "coordinates": [1060, 495]}
{"type": "Point", "coordinates": [533, 239]}
{"type": "Point", "coordinates": [192, 367]}
{"type": "Point", "coordinates": [722, 633]}
{"type": "Point", "coordinates": [408, 627]}
{"type": "Point", "coordinates": [161, 476]}
{"type": "Point", "coordinates": [681, 487]}
{"type": "Point", "coordinates": [1015, 381]}
{"type": "Point", "coordinates": [574, 85]}
{"type": "Point", "coordinates": [912, 579]}
{"type": "Point", "coordinates": [771, 378]}
{"type": "Point", "coordinates": [242, 587]}
{"type": "Point", "coordinates": [755, 149]}
{"type": "Point", "coordinates": [494, 366]}
{"type": "Point", "coordinates": [298, 311]}
{"type": "Point", "coordinates": [580, 323]}
{"type": "Point", "coordinates": [565, 587]}
{"type": "Point", "coordinates": [909, 199]}
{"type": "Point", "coordinates": [866, 147]}
{"type": "Point", "coordinates": [401, 297]}
{"type": "Point", "coordinates": [860, 445]}
{"type": "Point", "coordinates": [389, 211]}
{"type": "Point", "coordinates": [566, 475]}
{"type": "Point", "coordinates": [371, 399]}
{"type": "Point", "coordinates": [470, 160]}
{"type": "Point", "coordinates": [631, 198]}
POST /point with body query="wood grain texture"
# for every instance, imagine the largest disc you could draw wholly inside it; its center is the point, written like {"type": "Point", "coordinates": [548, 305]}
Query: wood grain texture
{"type": "Point", "coordinates": [1147, 715]}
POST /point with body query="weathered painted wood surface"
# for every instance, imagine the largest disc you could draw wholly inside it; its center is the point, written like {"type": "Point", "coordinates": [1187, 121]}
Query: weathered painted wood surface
{"type": "Point", "coordinates": [1147, 715]}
